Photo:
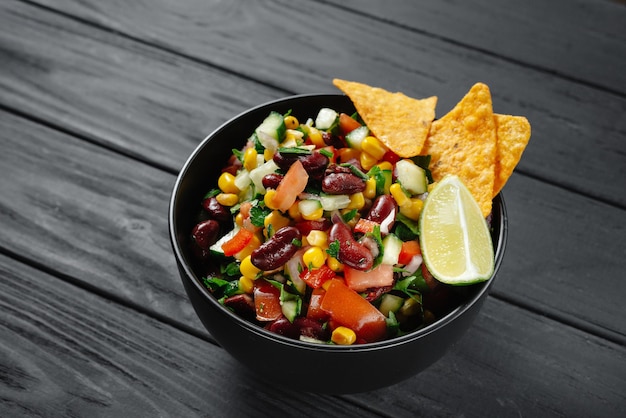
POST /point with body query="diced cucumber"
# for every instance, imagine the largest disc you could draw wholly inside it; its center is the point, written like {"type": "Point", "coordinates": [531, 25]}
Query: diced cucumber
{"type": "Point", "coordinates": [216, 249]}
{"type": "Point", "coordinates": [383, 181]}
{"type": "Point", "coordinates": [390, 303]}
{"type": "Point", "coordinates": [412, 177]}
{"type": "Point", "coordinates": [274, 126]}
{"type": "Point", "coordinates": [392, 246]}
{"type": "Point", "coordinates": [356, 137]}
{"type": "Point", "coordinates": [334, 202]}
{"type": "Point", "coordinates": [261, 171]}
{"type": "Point", "coordinates": [325, 118]}
{"type": "Point", "coordinates": [308, 207]}
{"type": "Point", "coordinates": [290, 309]}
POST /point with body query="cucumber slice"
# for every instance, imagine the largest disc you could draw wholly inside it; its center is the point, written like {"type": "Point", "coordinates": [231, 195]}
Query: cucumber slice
{"type": "Point", "coordinates": [291, 309]}
{"type": "Point", "coordinates": [412, 177]}
{"type": "Point", "coordinates": [273, 126]}
{"type": "Point", "coordinates": [390, 303]}
{"type": "Point", "coordinates": [309, 206]}
{"type": "Point", "coordinates": [325, 118]}
{"type": "Point", "coordinates": [355, 137]}
{"type": "Point", "coordinates": [392, 246]}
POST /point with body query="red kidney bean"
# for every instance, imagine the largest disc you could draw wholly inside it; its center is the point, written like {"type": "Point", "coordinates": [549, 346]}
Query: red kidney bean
{"type": "Point", "coordinates": [383, 211]}
{"type": "Point", "coordinates": [306, 227]}
{"type": "Point", "coordinates": [205, 233]}
{"type": "Point", "coordinates": [283, 327]}
{"type": "Point", "coordinates": [233, 165]}
{"type": "Point", "coordinates": [272, 180]}
{"type": "Point", "coordinates": [312, 329]}
{"type": "Point", "coordinates": [334, 140]}
{"type": "Point", "coordinates": [341, 180]}
{"type": "Point", "coordinates": [314, 163]}
{"type": "Point", "coordinates": [277, 250]}
{"type": "Point", "coordinates": [242, 304]}
{"type": "Point", "coordinates": [216, 210]}
{"type": "Point", "coordinates": [351, 253]}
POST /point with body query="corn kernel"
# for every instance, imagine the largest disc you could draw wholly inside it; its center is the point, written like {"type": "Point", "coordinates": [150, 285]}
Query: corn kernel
{"type": "Point", "coordinates": [226, 183]}
{"type": "Point", "coordinates": [249, 158]}
{"type": "Point", "coordinates": [346, 154]}
{"type": "Point", "coordinates": [294, 212]}
{"type": "Point", "coordinates": [293, 138]}
{"type": "Point", "coordinates": [315, 136]}
{"type": "Point", "coordinates": [374, 147]}
{"type": "Point", "coordinates": [398, 195]}
{"type": "Point", "coordinates": [367, 160]}
{"type": "Point", "coordinates": [248, 269]}
{"type": "Point", "coordinates": [276, 219]}
{"type": "Point", "coordinates": [227, 199]}
{"type": "Point", "coordinates": [343, 336]}
{"type": "Point", "coordinates": [239, 219]}
{"type": "Point", "coordinates": [254, 243]}
{"type": "Point", "coordinates": [316, 214]}
{"type": "Point", "coordinates": [268, 199]}
{"type": "Point", "coordinates": [357, 201]}
{"type": "Point", "coordinates": [334, 264]}
{"type": "Point", "coordinates": [314, 257]}
{"type": "Point", "coordinates": [412, 209]}
{"type": "Point", "coordinates": [317, 238]}
{"type": "Point", "coordinates": [385, 165]}
{"type": "Point", "coordinates": [268, 154]}
{"type": "Point", "coordinates": [291, 122]}
{"type": "Point", "coordinates": [370, 188]}
{"type": "Point", "coordinates": [246, 285]}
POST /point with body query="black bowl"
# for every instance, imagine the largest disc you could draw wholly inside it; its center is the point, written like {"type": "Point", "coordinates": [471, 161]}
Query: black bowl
{"type": "Point", "coordinates": [297, 364]}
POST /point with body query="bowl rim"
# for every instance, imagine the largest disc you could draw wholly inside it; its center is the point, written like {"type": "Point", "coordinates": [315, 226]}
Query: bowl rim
{"type": "Point", "coordinates": [259, 331]}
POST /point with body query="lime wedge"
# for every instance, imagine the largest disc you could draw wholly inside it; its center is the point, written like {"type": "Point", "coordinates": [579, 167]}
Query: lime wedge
{"type": "Point", "coordinates": [454, 237]}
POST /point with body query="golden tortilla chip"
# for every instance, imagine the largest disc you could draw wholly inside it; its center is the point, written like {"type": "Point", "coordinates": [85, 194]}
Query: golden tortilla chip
{"type": "Point", "coordinates": [513, 133]}
{"type": "Point", "coordinates": [463, 142]}
{"type": "Point", "coordinates": [400, 122]}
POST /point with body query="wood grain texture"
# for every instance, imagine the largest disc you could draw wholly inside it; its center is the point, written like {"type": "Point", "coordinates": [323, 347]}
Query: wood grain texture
{"type": "Point", "coordinates": [114, 361]}
{"type": "Point", "coordinates": [303, 51]}
{"type": "Point", "coordinates": [561, 37]}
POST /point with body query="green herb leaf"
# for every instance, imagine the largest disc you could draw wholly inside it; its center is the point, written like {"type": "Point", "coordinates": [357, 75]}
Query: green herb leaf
{"type": "Point", "coordinates": [231, 269]}
{"type": "Point", "coordinates": [326, 153]}
{"type": "Point", "coordinates": [333, 249]}
{"type": "Point", "coordinates": [238, 153]}
{"type": "Point", "coordinates": [258, 214]}
{"type": "Point", "coordinates": [412, 225]}
{"type": "Point", "coordinates": [355, 170]}
{"type": "Point", "coordinates": [212, 193]}
{"type": "Point", "coordinates": [294, 151]}
{"type": "Point", "coordinates": [348, 216]}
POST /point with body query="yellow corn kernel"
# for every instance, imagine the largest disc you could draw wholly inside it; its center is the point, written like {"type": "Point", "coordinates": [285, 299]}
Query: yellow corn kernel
{"type": "Point", "coordinates": [412, 209]}
{"type": "Point", "coordinates": [268, 154]}
{"type": "Point", "coordinates": [227, 199]}
{"type": "Point", "coordinates": [293, 137]}
{"type": "Point", "coordinates": [255, 243]}
{"type": "Point", "coordinates": [239, 219]}
{"type": "Point", "coordinates": [345, 154]}
{"type": "Point", "coordinates": [334, 264]}
{"type": "Point", "coordinates": [268, 199]}
{"type": "Point", "coordinates": [276, 219]}
{"type": "Point", "coordinates": [314, 257]}
{"type": "Point", "coordinates": [370, 188]}
{"type": "Point", "coordinates": [367, 160]}
{"type": "Point", "coordinates": [248, 269]}
{"type": "Point", "coordinates": [249, 159]}
{"type": "Point", "coordinates": [374, 147]}
{"type": "Point", "coordinates": [226, 183]}
{"type": "Point", "coordinates": [385, 165]}
{"type": "Point", "coordinates": [398, 195]}
{"type": "Point", "coordinates": [291, 122]}
{"type": "Point", "coordinates": [357, 201]}
{"type": "Point", "coordinates": [343, 336]}
{"type": "Point", "coordinates": [246, 285]}
{"type": "Point", "coordinates": [294, 212]}
{"type": "Point", "coordinates": [315, 136]}
{"type": "Point", "coordinates": [316, 214]}
{"type": "Point", "coordinates": [317, 238]}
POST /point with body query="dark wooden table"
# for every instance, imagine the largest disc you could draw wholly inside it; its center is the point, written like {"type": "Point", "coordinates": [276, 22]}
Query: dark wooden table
{"type": "Point", "coordinates": [102, 101]}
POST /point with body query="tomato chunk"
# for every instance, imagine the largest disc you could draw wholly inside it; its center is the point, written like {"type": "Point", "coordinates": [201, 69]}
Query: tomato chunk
{"type": "Point", "coordinates": [365, 225]}
{"type": "Point", "coordinates": [317, 277]}
{"type": "Point", "coordinates": [347, 124]}
{"type": "Point", "coordinates": [348, 308]}
{"type": "Point", "coordinates": [237, 243]}
{"type": "Point", "coordinates": [409, 249]}
{"type": "Point", "coordinates": [266, 301]}
{"type": "Point", "coordinates": [315, 310]}
{"type": "Point", "coordinates": [359, 280]}
{"type": "Point", "coordinates": [290, 187]}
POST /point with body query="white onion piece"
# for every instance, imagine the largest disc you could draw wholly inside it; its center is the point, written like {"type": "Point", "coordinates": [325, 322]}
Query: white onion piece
{"type": "Point", "coordinates": [387, 223]}
{"type": "Point", "coordinates": [412, 265]}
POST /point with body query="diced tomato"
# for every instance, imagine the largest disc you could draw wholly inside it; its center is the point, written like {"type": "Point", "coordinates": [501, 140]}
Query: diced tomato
{"type": "Point", "coordinates": [348, 308]}
{"type": "Point", "coordinates": [409, 249]}
{"type": "Point", "coordinates": [290, 187]}
{"type": "Point", "coordinates": [237, 243]}
{"type": "Point", "coordinates": [266, 301]}
{"type": "Point", "coordinates": [391, 157]}
{"type": "Point", "coordinates": [347, 124]}
{"type": "Point", "coordinates": [359, 281]}
{"type": "Point", "coordinates": [315, 310]}
{"type": "Point", "coordinates": [365, 225]}
{"type": "Point", "coordinates": [317, 277]}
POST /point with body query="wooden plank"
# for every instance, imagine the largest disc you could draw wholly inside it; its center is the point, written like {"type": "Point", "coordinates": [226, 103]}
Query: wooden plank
{"type": "Point", "coordinates": [112, 360]}
{"type": "Point", "coordinates": [133, 98]}
{"type": "Point", "coordinates": [101, 218]}
{"type": "Point", "coordinates": [67, 352]}
{"type": "Point", "coordinates": [578, 131]}
{"type": "Point", "coordinates": [582, 40]}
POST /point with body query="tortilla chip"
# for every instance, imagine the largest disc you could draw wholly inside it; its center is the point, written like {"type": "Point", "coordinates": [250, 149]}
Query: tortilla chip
{"type": "Point", "coordinates": [513, 133]}
{"type": "Point", "coordinates": [398, 121]}
{"type": "Point", "coordinates": [463, 142]}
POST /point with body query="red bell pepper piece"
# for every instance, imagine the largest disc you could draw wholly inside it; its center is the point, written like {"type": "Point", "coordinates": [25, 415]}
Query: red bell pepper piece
{"type": "Point", "coordinates": [237, 242]}
{"type": "Point", "coordinates": [409, 249]}
{"type": "Point", "coordinates": [317, 277]}
{"type": "Point", "coordinates": [365, 225]}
